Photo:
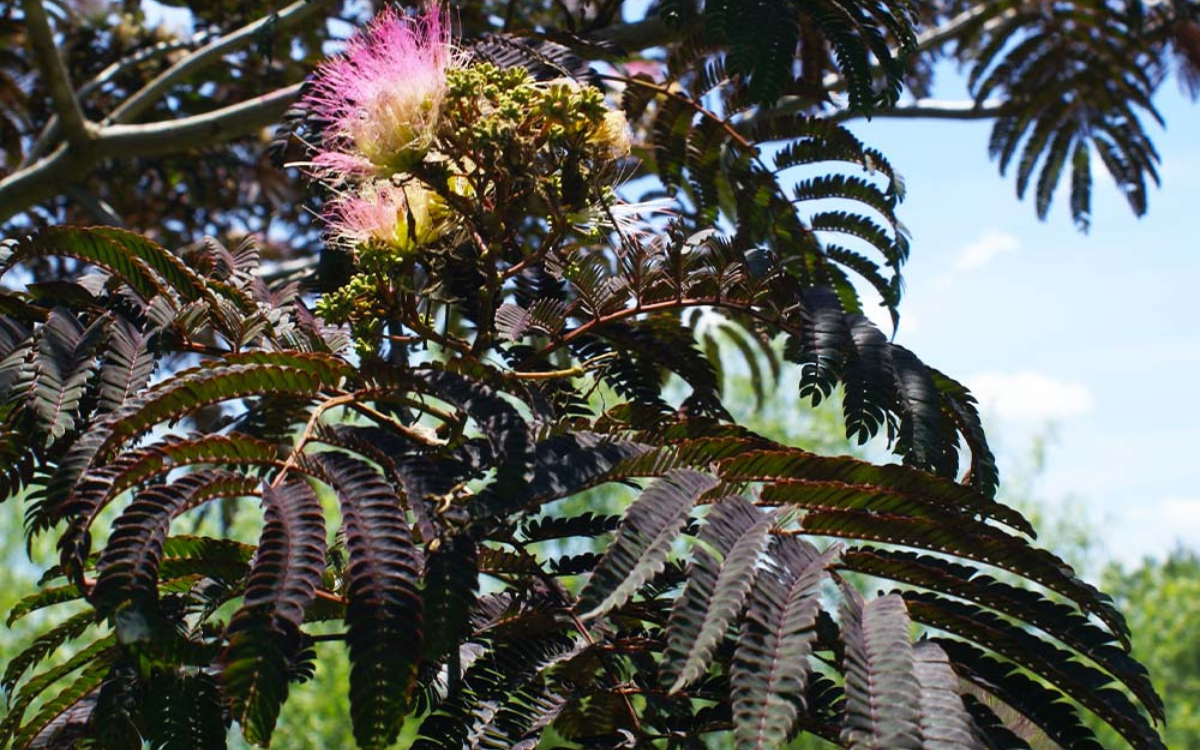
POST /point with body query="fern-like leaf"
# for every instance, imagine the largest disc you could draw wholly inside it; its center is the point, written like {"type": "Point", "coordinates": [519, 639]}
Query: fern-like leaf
{"type": "Point", "coordinates": [643, 541]}
{"type": "Point", "coordinates": [147, 268]}
{"type": "Point", "coordinates": [128, 566]}
{"type": "Point", "coordinates": [716, 589]}
{"type": "Point", "coordinates": [1087, 684]}
{"type": "Point", "coordinates": [188, 391]}
{"type": "Point", "coordinates": [911, 492]}
{"type": "Point", "coordinates": [1043, 706]}
{"type": "Point", "coordinates": [945, 723]}
{"type": "Point", "coordinates": [882, 693]}
{"type": "Point", "coordinates": [128, 364]}
{"type": "Point", "coordinates": [264, 635]}
{"type": "Point", "coordinates": [64, 361]}
{"type": "Point", "coordinates": [770, 665]}
{"type": "Point", "coordinates": [93, 660]}
{"type": "Point", "coordinates": [39, 600]}
{"type": "Point", "coordinates": [383, 615]}
{"type": "Point", "coordinates": [183, 710]}
{"type": "Point", "coordinates": [451, 586]}
{"type": "Point", "coordinates": [1059, 620]}
{"type": "Point", "coordinates": [45, 645]}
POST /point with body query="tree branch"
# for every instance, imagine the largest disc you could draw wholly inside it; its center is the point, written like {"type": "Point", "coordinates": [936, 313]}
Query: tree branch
{"type": "Point", "coordinates": [638, 35]}
{"type": "Point", "coordinates": [42, 180]}
{"type": "Point", "coordinates": [207, 55]}
{"type": "Point", "coordinates": [929, 109]}
{"type": "Point", "coordinates": [37, 182]}
{"type": "Point", "coordinates": [41, 40]}
{"type": "Point", "coordinates": [218, 126]}
{"type": "Point", "coordinates": [50, 132]}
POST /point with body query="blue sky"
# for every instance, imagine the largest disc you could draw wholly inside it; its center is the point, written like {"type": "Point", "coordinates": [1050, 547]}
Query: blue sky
{"type": "Point", "coordinates": [1089, 338]}
{"type": "Point", "coordinates": [1092, 334]}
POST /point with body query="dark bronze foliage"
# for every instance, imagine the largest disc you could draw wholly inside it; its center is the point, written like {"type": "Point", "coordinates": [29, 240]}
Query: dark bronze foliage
{"type": "Point", "coordinates": [409, 480]}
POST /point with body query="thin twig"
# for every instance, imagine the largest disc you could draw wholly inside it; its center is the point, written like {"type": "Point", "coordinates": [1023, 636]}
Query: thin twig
{"type": "Point", "coordinates": [415, 435]}
{"type": "Point", "coordinates": [329, 596]}
{"type": "Point", "coordinates": [928, 109]}
{"type": "Point", "coordinates": [310, 429]}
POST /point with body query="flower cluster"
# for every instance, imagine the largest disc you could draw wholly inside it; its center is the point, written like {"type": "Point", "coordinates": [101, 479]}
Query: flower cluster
{"type": "Point", "coordinates": [382, 98]}
{"type": "Point", "coordinates": [423, 152]}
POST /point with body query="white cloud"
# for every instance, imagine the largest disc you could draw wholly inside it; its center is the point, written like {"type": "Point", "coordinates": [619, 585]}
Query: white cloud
{"type": "Point", "coordinates": [985, 249]}
{"type": "Point", "coordinates": [1030, 396]}
{"type": "Point", "coordinates": [1176, 513]}
{"type": "Point", "coordinates": [1152, 529]}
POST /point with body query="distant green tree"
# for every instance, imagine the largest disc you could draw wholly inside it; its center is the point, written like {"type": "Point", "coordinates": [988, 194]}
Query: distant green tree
{"type": "Point", "coordinates": [1161, 598]}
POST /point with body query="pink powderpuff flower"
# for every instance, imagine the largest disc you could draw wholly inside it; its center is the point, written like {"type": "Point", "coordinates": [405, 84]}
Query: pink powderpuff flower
{"type": "Point", "coordinates": [382, 97]}
{"type": "Point", "coordinates": [400, 218]}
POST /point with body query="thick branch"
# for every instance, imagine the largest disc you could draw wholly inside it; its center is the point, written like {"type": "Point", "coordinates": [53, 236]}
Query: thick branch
{"type": "Point", "coordinates": [43, 180]}
{"type": "Point", "coordinates": [208, 55]}
{"type": "Point", "coordinates": [50, 133]}
{"type": "Point", "coordinates": [218, 126]}
{"type": "Point", "coordinates": [41, 39]}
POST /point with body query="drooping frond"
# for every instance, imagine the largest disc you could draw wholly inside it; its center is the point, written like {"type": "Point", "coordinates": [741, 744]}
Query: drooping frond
{"type": "Point", "coordinates": [91, 663]}
{"type": "Point", "coordinates": [148, 269]}
{"type": "Point", "coordinates": [264, 634]}
{"type": "Point", "coordinates": [762, 43]}
{"type": "Point", "coordinates": [383, 611]}
{"type": "Point", "coordinates": [771, 671]}
{"type": "Point", "coordinates": [1056, 619]}
{"type": "Point", "coordinates": [716, 588]}
{"type": "Point", "coordinates": [643, 541]}
{"type": "Point", "coordinates": [451, 586]}
{"type": "Point", "coordinates": [883, 693]}
{"type": "Point", "coordinates": [1056, 666]}
{"type": "Point", "coordinates": [183, 710]}
{"type": "Point", "coordinates": [1074, 80]}
{"type": "Point", "coordinates": [129, 565]}
{"type": "Point", "coordinates": [945, 723]}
